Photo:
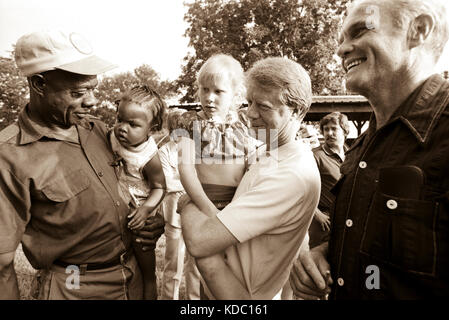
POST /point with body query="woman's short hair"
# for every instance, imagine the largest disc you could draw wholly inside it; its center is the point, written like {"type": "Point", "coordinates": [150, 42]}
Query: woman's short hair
{"type": "Point", "coordinates": [150, 100]}
{"type": "Point", "coordinates": [288, 76]}
{"type": "Point", "coordinates": [336, 118]}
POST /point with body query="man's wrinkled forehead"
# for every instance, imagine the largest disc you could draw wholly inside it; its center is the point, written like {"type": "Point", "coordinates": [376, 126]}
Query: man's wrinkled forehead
{"type": "Point", "coordinates": [364, 12]}
{"type": "Point", "coordinates": [257, 91]}
{"type": "Point", "coordinates": [67, 80]}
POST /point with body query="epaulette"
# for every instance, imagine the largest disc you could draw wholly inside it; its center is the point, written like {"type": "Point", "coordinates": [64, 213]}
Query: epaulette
{"type": "Point", "coordinates": [9, 132]}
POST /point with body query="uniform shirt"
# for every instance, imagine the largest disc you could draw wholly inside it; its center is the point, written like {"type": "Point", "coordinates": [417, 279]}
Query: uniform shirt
{"type": "Point", "coordinates": [269, 215]}
{"type": "Point", "coordinates": [391, 221]}
{"type": "Point", "coordinates": [60, 198]}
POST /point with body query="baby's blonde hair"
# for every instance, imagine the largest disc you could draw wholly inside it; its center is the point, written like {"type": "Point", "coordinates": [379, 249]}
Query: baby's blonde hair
{"type": "Point", "coordinates": [218, 65]}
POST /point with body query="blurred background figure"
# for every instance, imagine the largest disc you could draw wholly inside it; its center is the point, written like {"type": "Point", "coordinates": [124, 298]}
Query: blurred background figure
{"type": "Point", "coordinates": [309, 135]}
{"type": "Point", "coordinates": [329, 156]}
{"type": "Point", "coordinates": [175, 250]}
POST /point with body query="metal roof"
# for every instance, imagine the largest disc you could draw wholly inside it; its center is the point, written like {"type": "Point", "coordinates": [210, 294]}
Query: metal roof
{"type": "Point", "coordinates": [339, 99]}
{"type": "Point", "coordinates": [315, 99]}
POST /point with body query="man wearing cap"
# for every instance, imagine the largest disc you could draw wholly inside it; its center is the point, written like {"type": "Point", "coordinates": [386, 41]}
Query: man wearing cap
{"type": "Point", "coordinates": [58, 190]}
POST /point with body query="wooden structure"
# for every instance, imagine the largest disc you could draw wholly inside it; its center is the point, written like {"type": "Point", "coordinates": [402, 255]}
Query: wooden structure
{"type": "Point", "coordinates": [356, 108]}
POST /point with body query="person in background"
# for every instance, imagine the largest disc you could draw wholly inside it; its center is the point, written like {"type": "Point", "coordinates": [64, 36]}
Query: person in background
{"type": "Point", "coordinates": [58, 190]}
{"type": "Point", "coordinates": [175, 250]}
{"type": "Point", "coordinates": [309, 135]}
{"type": "Point", "coordinates": [390, 228]}
{"type": "Point", "coordinates": [329, 156]}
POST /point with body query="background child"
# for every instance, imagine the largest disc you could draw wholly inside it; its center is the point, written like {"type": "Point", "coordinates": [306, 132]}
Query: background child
{"type": "Point", "coordinates": [141, 177]}
{"type": "Point", "coordinates": [213, 156]}
{"type": "Point", "coordinates": [175, 249]}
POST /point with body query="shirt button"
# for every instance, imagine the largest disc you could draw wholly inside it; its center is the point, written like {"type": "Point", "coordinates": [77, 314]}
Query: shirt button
{"type": "Point", "coordinates": [362, 164]}
{"type": "Point", "coordinates": [100, 173]}
{"type": "Point", "coordinates": [117, 203]}
{"type": "Point", "coordinates": [349, 223]}
{"type": "Point", "coordinates": [340, 282]}
{"type": "Point", "coordinates": [392, 204]}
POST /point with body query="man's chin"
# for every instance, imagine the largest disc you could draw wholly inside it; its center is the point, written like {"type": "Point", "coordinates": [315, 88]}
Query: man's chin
{"type": "Point", "coordinates": [355, 85]}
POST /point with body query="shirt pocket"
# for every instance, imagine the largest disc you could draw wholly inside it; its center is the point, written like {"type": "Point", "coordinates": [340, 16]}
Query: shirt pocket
{"type": "Point", "coordinates": [66, 187]}
{"type": "Point", "coordinates": [401, 232]}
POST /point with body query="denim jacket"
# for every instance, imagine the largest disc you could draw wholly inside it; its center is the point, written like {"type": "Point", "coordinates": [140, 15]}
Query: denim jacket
{"type": "Point", "coordinates": [390, 234]}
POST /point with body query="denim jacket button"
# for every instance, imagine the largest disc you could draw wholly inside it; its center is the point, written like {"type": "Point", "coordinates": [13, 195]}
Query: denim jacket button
{"type": "Point", "coordinates": [340, 282]}
{"type": "Point", "coordinates": [392, 204]}
{"type": "Point", "coordinates": [362, 164]}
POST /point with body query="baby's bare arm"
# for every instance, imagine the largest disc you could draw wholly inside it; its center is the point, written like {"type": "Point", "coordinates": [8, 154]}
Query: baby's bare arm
{"type": "Point", "coordinates": [154, 175]}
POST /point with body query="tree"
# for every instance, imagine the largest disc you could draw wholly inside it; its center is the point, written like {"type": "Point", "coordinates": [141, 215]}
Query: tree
{"type": "Point", "coordinates": [14, 92]}
{"type": "Point", "coordinates": [249, 30]}
{"type": "Point", "coordinates": [110, 89]}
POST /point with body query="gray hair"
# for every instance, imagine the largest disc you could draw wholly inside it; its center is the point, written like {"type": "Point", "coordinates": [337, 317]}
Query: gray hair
{"type": "Point", "coordinates": [404, 11]}
{"type": "Point", "coordinates": [288, 76]}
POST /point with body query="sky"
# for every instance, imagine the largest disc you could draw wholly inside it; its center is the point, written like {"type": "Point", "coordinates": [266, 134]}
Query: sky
{"type": "Point", "coordinates": [126, 32]}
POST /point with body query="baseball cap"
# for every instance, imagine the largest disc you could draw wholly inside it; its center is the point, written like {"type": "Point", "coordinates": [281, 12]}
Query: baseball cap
{"type": "Point", "coordinates": [55, 49]}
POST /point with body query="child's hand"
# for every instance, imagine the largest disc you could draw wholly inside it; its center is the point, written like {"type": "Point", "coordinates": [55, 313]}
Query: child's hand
{"type": "Point", "coordinates": [138, 218]}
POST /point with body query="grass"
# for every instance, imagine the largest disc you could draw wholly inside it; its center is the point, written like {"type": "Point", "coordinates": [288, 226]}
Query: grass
{"type": "Point", "coordinates": [25, 272]}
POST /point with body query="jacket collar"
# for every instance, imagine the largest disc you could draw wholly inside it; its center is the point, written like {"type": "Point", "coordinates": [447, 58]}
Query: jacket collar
{"type": "Point", "coordinates": [422, 110]}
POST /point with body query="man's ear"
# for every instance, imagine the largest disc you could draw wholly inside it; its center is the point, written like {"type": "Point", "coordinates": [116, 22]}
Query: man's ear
{"type": "Point", "coordinates": [420, 29]}
{"type": "Point", "coordinates": [37, 84]}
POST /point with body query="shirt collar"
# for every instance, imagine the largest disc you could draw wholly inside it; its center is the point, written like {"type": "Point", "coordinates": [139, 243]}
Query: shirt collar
{"type": "Point", "coordinates": [31, 130]}
{"type": "Point", "coordinates": [231, 117]}
{"type": "Point", "coordinates": [422, 110]}
{"type": "Point", "coordinates": [287, 149]}
{"type": "Point", "coordinates": [331, 153]}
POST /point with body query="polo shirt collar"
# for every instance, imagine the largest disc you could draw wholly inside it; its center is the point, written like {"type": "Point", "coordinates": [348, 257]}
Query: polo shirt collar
{"type": "Point", "coordinates": [422, 110]}
{"type": "Point", "coordinates": [286, 150]}
{"type": "Point", "coordinates": [31, 131]}
{"type": "Point", "coordinates": [330, 153]}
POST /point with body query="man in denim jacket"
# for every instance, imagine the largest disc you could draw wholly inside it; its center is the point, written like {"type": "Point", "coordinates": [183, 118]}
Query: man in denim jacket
{"type": "Point", "coordinates": [390, 228]}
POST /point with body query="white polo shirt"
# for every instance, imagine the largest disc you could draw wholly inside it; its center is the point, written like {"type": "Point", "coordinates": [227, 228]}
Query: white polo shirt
{"type": "Point", "coordinates": [269, 215]}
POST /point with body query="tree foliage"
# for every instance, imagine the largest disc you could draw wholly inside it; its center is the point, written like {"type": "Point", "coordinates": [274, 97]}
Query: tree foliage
{"type": "Point", "coordinates": [14, 92]}
{"type": "Point", "coordinates": [304, 31]}
{"type": "Point", "coordinates": [112, 87]}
